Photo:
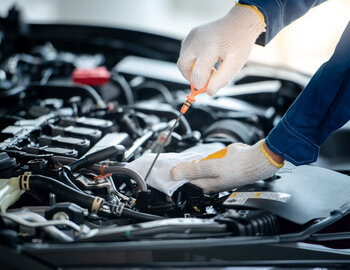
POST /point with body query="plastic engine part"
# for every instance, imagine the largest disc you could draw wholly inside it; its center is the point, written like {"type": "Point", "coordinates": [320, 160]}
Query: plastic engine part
{"type": "Point", "coordinates": [250, 222]}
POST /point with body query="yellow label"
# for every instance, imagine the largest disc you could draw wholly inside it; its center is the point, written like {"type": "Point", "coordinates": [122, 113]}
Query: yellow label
{"type": "Point", "coordinates": [240, 198]}
{"type": "Point", "coordinates": [257, 195]}
{"type": "Point", "coordinates": [234, 194]}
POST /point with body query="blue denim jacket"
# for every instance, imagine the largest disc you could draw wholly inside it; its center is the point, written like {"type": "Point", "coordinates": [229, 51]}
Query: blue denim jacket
{"type": "Point", "coordinates": [324, 104]}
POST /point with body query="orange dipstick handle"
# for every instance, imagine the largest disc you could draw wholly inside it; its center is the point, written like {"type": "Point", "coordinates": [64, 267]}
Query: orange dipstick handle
{"type": "Point", "coordinates": [194, 91]}
{"type": "Point", "coordinates": [190, 98]}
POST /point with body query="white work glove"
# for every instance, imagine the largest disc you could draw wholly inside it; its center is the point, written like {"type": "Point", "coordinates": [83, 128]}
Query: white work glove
{"type": "Point", "coordinates": [236, 165]}
{"type": "Point", "coordinates": [159, 177]}
{"type": "Point", "coordinates": [228, 40]}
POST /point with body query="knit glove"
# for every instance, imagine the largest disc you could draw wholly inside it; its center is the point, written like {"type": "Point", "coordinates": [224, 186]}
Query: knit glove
{"type": "Point", "coordinates": [228, 40]}
{"type": "Point", "coordinates": [236, 165]}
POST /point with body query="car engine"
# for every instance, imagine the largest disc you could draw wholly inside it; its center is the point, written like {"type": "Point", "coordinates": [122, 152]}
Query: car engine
{"type": "Point", "coordinates": [79, 103]}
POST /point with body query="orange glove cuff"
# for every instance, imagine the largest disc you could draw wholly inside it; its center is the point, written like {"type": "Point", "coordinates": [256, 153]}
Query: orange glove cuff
{"type": "Point", "coordinates": [269, 158]}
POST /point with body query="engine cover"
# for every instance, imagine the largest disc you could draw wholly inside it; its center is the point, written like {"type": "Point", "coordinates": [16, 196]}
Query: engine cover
{"type": "Point", "coordinates": [301, 193]}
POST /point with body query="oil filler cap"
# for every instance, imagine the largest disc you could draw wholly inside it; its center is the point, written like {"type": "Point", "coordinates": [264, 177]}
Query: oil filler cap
{"type": "Point", "coordinates": [7, 165]}
{"type": "Point", "coordinates": [91, 76]}
{"type": "Point", "coordinates": [6, 162]}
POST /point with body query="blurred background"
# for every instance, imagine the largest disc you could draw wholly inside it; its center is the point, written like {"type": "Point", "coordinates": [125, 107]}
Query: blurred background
{"type": "Point", "coordinates": [303, 45]}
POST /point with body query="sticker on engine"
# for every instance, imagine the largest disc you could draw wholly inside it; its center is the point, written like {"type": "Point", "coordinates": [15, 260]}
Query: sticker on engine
{"type": "Point", "coordinates": [239, 198]}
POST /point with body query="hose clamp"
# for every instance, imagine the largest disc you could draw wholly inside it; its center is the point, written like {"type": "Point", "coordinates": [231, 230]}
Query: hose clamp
{"type": "Point", "coordinates": [25, 181]}
{"type": "Point", "coordinates": [96, 204]}
{"type": "Point", "coordinates": [119, 209]}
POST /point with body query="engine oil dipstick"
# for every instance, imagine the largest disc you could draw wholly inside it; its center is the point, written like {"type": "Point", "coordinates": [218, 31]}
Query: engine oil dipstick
{"type": "Point", "coordinates": [184, 108]}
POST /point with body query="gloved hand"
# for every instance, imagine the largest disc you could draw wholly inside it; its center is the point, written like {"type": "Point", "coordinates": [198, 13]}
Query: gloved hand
{"type": "Point", "coordinates": [160, 178]}
{"type": "Point", "coordinates": [236, 165]}
{"type": "Point", "coordinates": [228, 40]}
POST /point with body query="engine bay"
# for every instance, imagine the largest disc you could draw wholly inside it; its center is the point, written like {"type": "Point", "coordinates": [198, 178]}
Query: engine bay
{"type": "Point", "coordinates": [78, 106]}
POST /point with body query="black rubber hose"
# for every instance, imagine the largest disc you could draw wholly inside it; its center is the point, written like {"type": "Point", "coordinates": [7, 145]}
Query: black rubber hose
{"type": "Point", "coordinates": [42, 183]}
{"type": "Point", "coordinates": [161, 88]}
{"type": "Point", "coordinates": [67, 178]}
{"type": "Point", "coordinates": [140, 216]}
{"type": "Point", "coordinates": [96, 157]}
{"type": "Point", "coordinates": [62, 160]}
{"type": "Point", "coordinates": [120, 81]}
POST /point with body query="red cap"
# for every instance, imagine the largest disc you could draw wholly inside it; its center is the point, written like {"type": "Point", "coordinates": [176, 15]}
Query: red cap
{"type": "Point", "coordinates": [92, 76]}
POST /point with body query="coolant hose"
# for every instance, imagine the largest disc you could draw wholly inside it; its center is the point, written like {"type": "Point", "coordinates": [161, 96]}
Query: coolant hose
{"type": "Point", "coordinates": [96, 157]}
{"type": "Point", "coordinates": [48, 184]}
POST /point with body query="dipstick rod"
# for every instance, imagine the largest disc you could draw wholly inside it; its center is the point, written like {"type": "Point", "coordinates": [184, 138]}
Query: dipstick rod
{"type": "Point", "coordinates": [162, 146]}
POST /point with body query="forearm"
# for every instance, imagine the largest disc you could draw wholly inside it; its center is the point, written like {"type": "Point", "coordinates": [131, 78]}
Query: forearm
{"type": "Point", "coordinates": [279, 13]}
{"type": "Point", "coordinates": [320, 109]}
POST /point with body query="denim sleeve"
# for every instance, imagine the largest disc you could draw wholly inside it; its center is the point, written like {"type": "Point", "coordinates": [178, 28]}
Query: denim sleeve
{"type": "Point", "coordinates": [321, 108]}
{"type": "Point", "coordinates": [279, 13]}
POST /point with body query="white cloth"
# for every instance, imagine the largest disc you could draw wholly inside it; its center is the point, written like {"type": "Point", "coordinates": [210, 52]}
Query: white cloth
{"type": "Point", "coordinates": [160, 178]}
{"type": "Point", "coordinates": [242, 164]}
{"type": "Point", "coordinates": [227, 40]}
